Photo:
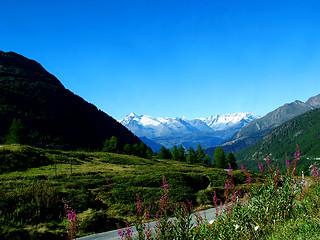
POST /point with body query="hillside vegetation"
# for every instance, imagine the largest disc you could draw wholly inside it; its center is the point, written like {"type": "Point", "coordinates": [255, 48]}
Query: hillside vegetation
{"type": "Point", "coordinates": [101, 187]}
{"type": "Point", "coordinates": [303, 130]}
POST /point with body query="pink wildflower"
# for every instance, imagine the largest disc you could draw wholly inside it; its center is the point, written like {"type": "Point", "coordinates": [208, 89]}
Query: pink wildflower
{"type": "Point", "coordinates": [287, 162]}
{"type": "Point", "coordinates": [215, 198]}
{"type": "Point", "coordinates": [261, 167]}
{"type": "Point", "coordinates": [72, 220]}
{"type": "Point", "coordinates": [268, 160]}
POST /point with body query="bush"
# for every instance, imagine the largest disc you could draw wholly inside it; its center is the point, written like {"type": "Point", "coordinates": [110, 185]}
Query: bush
{"type": "Point", "coordinates": [95, 221]}
{"type": "Point", "coordinates": [21, 160]}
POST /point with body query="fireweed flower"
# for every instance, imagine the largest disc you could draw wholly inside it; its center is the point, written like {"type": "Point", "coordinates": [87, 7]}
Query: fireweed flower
{"type": "Point", "coordinates": [165, 185]}
{"type": "Point", "coordinates": [287, 162]}
{"type": "Point", "coordinates": [129, 231]}
{"type": "Point", "coordinates": [261, 167]}
{"type": "Point", "coordinates": [121, 233]}
{"type": "Point", "coordinates": [233, 198]}
{"type": "Point", "coordinates": [243, 168]}
{"type": "Point", "coordinates": [297, 154]}
{"type": "Point", "coordinates": [72, 220]}
{"type": "Point", "coordinates": [215, 199]}
{"type": "Point", "coordinates": [268, 160]}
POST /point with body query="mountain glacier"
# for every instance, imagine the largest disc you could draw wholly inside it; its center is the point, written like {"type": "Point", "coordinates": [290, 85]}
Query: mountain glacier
{"type": "Point", "coordinates": [169, 131]}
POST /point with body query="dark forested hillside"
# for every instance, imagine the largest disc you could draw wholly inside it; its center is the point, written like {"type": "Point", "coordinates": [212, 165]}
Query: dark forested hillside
{"type": "Point", "coordinates": [52, 115]}
{"type": "Point", "coordinates": [303, 130]}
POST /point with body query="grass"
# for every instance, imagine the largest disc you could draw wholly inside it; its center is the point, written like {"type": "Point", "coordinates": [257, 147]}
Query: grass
{"type": "Point", "coordinates": [275, 207]}
{"type": "Point", "coordinates": [101, 188]}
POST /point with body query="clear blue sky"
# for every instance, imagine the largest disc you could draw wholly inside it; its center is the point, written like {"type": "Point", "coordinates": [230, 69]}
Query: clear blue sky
{"type": "Point", "coordinates": [172, 58]}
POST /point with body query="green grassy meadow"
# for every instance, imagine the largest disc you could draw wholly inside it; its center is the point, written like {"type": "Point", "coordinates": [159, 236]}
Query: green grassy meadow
{"type": "Point", "coordinates": [102, 188]}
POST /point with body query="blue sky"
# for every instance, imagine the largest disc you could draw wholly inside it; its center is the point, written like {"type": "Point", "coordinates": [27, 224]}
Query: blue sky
{"type": "Point", "coordinates": [172, 58]}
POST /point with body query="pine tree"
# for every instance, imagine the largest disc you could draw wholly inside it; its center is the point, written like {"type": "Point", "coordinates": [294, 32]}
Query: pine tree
{"type": "Point", "coordinates": [175, 153]}
{"type": "Point", "coordinates": [219, 158]}
{"type": "Point", "coordinates": [142, 150]}
{"type": "Point", "coordinates": [200, 154]}
{"type": "Point", "coordinates": [17, 133]}
{"type": "Point", "coordinates": [207, 160]}
{"type": "Point", "coordinates": [149, 153]}
{"type": "Point", "coordinates": [112, 145]}
{"type": "Point", "coordinates": [127, 149]}
{"type": "Point", "coordinates": [105, 147]}
{"type": "Point", "coordinates": [135, 149]}
{"type": "Point", "coordinates": [164, 153]}
{"type": "Point", "coordinates": [232, 161]}
{"type": "Point", "coordinates": [181, 154]}
{"type": "Point", "coordinates": [191, 156]}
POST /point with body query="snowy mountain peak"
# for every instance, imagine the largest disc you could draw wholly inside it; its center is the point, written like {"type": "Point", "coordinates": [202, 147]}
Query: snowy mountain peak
{"type": "Point", "coordinates": [132, 115]}
{"type": "Point", "coordinates": [221, 122]}
{"type": "Point", "coordinates": [174, 125]}
{"type": "Point", "coordinates": [169, 129]}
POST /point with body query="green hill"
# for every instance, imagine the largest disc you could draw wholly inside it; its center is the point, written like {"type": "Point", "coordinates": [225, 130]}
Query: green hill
{"type": "Point", "coordinates": [53, 116]}
{"type": "Point", "coordinates": [303, 130]}
{"type": "Point", "coordinates": [101, 187]}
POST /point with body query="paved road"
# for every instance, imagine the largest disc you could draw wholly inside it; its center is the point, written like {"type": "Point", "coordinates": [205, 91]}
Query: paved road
{"type": "Point", "coordinates": [210, 215]}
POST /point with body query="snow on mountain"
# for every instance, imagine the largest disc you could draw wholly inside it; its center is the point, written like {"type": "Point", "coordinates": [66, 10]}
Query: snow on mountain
{"type": "Point", "coordinates": [150, 127]}
{"type": "Point", "coordinates": [221, 122]}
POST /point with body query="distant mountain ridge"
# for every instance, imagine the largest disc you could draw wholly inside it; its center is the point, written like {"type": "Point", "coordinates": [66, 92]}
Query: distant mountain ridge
{"type": "Point", "coordinates": [303, 130]}
{"type": "Point", "coordinates": [258, 128]}
{"type": "Point", "coordinates": [53, 116]}
{"type": "Point", "coordinates": [169, 131]}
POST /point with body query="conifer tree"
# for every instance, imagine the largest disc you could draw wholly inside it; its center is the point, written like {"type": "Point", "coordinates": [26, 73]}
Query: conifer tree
{"type": "Point", "coordinates": [164, 153]}
{"type": "Point", "coordinates": [149, 153]}
{"type": "Point", "coordinates": [142, 150]}
{"type": "Point", "coordinates": [200, 154]}
{"type": "Point", "coordinates": [191, 156]}
{"type": "Point", "coordinates": [112, 145]}
{"type": "Point", "coordinates": [232, 161]}
{"type": "Point", "coordinates": [127, 149]}
{"type": "Point", "coordinates": [219, 158]}
{"type": "Point", "coordinates": [17, 133]}
{"type": "Point", "coordinates": [175, 153]}
{"type": "Point", "coordinates": [207, 160]}
{"type": "Point", "coordinates": [181, 154]}
{"type": "Point", "coordinates": [135, 149]}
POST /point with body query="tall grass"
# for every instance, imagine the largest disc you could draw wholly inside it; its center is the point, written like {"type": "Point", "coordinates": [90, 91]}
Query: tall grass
{"type": "Point", "coordinates": [261, 210]}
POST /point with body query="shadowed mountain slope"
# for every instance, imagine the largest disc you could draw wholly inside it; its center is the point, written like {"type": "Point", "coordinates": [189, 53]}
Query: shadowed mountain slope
{"type": "Point", "coordinates": [52, 115]}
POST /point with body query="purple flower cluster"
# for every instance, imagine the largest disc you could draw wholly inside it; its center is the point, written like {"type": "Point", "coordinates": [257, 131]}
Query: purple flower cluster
{"type": "Point", "coordinates": [72, 220]}
{"type": "Point", "coordinates": [287, 162]}
{"type": "Point", "coordinates": [72, 216]}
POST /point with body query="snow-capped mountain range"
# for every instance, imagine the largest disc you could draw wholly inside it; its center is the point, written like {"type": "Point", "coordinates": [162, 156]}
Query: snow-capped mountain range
{"type": "Point", "coordinates": [186, 132]}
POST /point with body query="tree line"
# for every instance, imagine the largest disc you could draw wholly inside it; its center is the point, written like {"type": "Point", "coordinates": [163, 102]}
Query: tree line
{"type": "Point", "coordinates": [192, 156]}
{"type": "Point", "coordinates": [114, 145]}
{"type": "Point", "coordinates": [17, 134]}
